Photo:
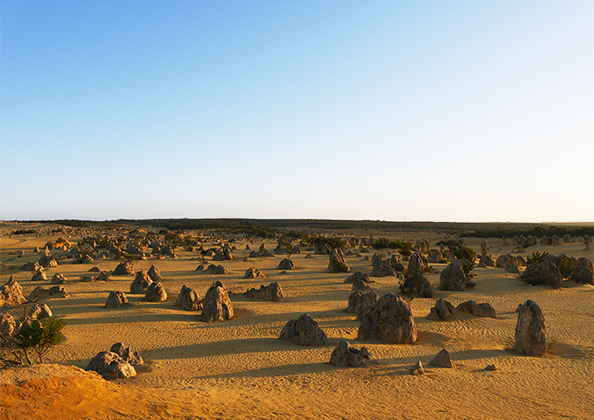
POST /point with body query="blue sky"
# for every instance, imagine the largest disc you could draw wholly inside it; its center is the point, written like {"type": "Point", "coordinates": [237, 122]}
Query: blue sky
{"type": "Point", "coordinates": [389, 110]}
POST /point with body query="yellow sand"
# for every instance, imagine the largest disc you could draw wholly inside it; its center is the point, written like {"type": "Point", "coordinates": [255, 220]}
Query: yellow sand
{"type": "Point", "coordinates": [239, 369]}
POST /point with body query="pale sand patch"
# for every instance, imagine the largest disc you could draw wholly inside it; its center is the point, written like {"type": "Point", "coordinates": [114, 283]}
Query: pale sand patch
{"type": "Point", "coordinates": [239, 368]}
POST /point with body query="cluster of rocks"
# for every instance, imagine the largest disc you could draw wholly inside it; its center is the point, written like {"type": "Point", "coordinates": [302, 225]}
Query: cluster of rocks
{"type": "Point", "coordinates": [118, 362]}
{"type": "Point", "coordinates": [189, 299]}
{"type": "Point", "coordinates": [385, 268]}
{"type": "Point", "coordinates": [359, 280]}
{"type": "Point", "coordinates": [389, 319]}
{"type": "Point", "coordinates": [444, 309]}
{"type": "Point", "coordinates": [253, 273]}
{"type": "Point", "coordinates": [272, 293]}
{"type": "Point", "coordinates": [262, 252]}
{"type": "Point", "coordinates": [454, 278]}
{"type": "Point", "coordinates": [346, 355]}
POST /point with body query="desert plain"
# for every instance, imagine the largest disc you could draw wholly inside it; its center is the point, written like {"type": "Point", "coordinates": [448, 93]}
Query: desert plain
{"type": "Point", "coordinates": [239, 368]}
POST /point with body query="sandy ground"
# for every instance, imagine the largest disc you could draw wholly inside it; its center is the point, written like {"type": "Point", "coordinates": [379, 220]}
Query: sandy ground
{"type": "Point", "coordinates": [239, 368]}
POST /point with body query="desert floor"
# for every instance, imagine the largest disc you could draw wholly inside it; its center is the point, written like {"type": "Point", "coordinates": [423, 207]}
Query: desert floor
{"type": "Point", "coordinates": [240, 369]}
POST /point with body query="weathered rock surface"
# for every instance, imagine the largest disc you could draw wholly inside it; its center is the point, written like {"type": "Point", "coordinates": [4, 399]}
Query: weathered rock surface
{"type": "Point", "coordinates": [545, 273]}
{"type": "Point", "coordinates": [304, 331]}
{"type": "Point", "coordinates": [253, 273]}
{"type": "Point", "coordinates": [389, 319]}
{"type": "Point", "coordinates": [357, 275]}
{"type": "Point", "coordinates": [286, 264]}
{"type": "Point", "coordinates": [31, 266]}
{"type": "Point", "coordinates": [217, 305]}
{"type": "Point", "coordinates": [360, 284]}
{"type": "Point", "coordinates": [39, 275]}
{"type": "Point", "coordinates": [58, 279]}
{"type": "Point", "coordinates": [132, 357]}
{"type": "Point", "coordinates": [116, 299]}
{"type": "Point", "coordinates": [503, 260]}
{"type": "Point", "coordinates": [346, 355]}
{"type": "Point", "coordinates": [530, 337]}
{"type": "Point", "coordinates": [111, 366]}
{"type": "Point", "coordinates": [140, 284]}
{"type": "Point", "coordinates": [155, 292]}
{"type": "Point", "coordinates": [11, 293]}
{"type": "Point", "coordinates": [217, 269]}
{"type": "Point", "coordinates": [124, 268]}
{"type": "Point", "coordinates": [417, 286]}
{"type": "Point", "coordinates": [272, 293]}
{"type": "Point", "coordinates": [417, 264]}
{"type": "Point", "coordinates": [477, 309]}
{"type": "Point", "coordinates": [103, 276]}
{"type": "Point", "coordinates": [383, 269]}
{"type": "Point", "coordinates": [441, 310]}
{"type": "Point", "coordinates": [337, 262]}
{"type": "Point", "coordinates": [442, 359]}
{"type": "Point", "coordinates": [452, 278]}
{"type": "Point", "coordinates": [41, 292]}
{"type": "Point", "coordinates": [39, 311]}
{"type": "Point", "coordinates": [323, 249]}
{"type": "Point", "coordinates": [155, 274]}
{"type": "Point", "coordinates": [7, 325]}
{"type": "Point", "coordinates": [359, 301]}
{"type": "Point", "coordinates": [582, 274]}
{"type": "Point", "coordinates": [486, 261]}
{"type": "Point", "coordinates": [189, 299]}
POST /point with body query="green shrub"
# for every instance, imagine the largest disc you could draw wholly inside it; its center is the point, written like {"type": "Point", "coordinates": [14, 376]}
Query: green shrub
{"type": "Point", "coordinates": [465, 252]}
{"type": "Point", "coordinates": [536, 258]}
{"type": "Point", "coordinates": [40, 337]}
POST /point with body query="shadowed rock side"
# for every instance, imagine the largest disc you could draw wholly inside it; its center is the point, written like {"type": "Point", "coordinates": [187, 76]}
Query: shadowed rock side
{"type": "Point", "coordinates": [155, 293]}
{"type": "Point", "coordinates": [530, 337]}
{"type": "Point", "coordinates": [486, 261]}
{"type": "Point", "coordinates": [452, 278]}
{"type": "Point", "coordinates": [286, 264]}
{"type": "Point", "coordinates": [41, 292]}
{"type": "Point", "coordinates": [444, 309]}
{"type": "Point", "coordinates": [155, 274]}
{"type": "Point", "coordinates": [116, 300]}
{"type": "Point", "coordinates": [58, 279]}
{"type": "Point", "coordinates": [417, 286]}
{"type": "Point", "coordinates": [503, 260]}
{"type": "Point", "coordinates": [7, 325]}
{"type": "Point", "coordinates": [111, 366]}
{"type": "Point", "coordinates": [217, 305]}
{"type": "Point", "coordinates": [417, 264]}
{"type": "Point", "coordinates": [123, 269]}
{"type": "Point", "coordinates": [582, 274]}
{"type": "Point", "coordinates": [389, 319]}
{"type": "Point", "coordinates": [382, 268]}
{"type": "Point", "coordinates": [545, 273]}
{"type": "Point", "coordinates": [39, 312]}
{"type": "Point", "coordinates": [140, 284]}
{"type": "Point", "coordinates": [189, 299]}
{"type": "Point", "coordinates": [337, 262]}
{"type": "Point", "coordinates": [359, 275]}
{"type": "Point", "coordinates": [272, 293]}
{"type": "Point", "coordinates": [39, 275]}
{"type": "Point", "coordinates": [11, 293]}
{"type": "Point", "coordinates": [359, 301]}
{"type": "Point", "coordinates": [346, 355]}
{"type": "Point", "coordinates": [132, 357]}
{"type": "Point", "coordinates": [216, 269]}
{"type": "Point", "coordinates": [253, 273]}
{"type": "Point", "coordinates": [304, 331]}
{"type": "Point", "coordinates": [442, 359]}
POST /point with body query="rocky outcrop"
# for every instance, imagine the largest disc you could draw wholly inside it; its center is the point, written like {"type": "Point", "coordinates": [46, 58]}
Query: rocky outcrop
{"type": "Point", "coordinates": [217, 305]}
{"type": "Point", "coordinates": [123, 269]}
{"type": "Point", "coordinates": [503, 260]}
{"type": "Point", "coordinates": [357, 275]}
{"type": "Point", "coordinates": [441, 310]}
{"type": "Point", "coordinates": [286, 264]}
{"type": "Point", "coordinates": [545, 273]}
{"type": "Point", "coordinates": [103, 276]}
{"type": "Point", "coordinates": [389, 319]}
{"type": "Point", "coordinates": [417, 286]}
{"type": "Point", "coordinates": [7, 325]}
{"type": "Point", "coordinates": [223, 254]}
{"type": "Point", "coordinates": [453, 278]}
{"type": "Point", "coordinates": [304, 331]}
{"type": "Point", "coordinates": [272, 293]}
{"type": "Point", "coordinates": [417, 264]}
{"type": "Point", "coordinates": [140, 284]}
{"type": "Point", "coordinates": [58, 279]}
{"type": "Point", "coordinates": [323, 249]}
{"type": "Point", "coordinates": [39, 275]}
{"type": "Point", "coordinates": [41, 292]}
{"type": "Point", "coordinates": [116, 299]}
{"type": "Point", "coordinates": [11, 293]}
{"type": "Point", "coordinates": [359, 301]}
{"type": "Point", "coordinates": [582, 274]}
{"type": "Point", "coordinates": [530, 337]}
{"type": "Point", "coordinates": [442, 359]}
{"type": "Point", "coordinates": [155, 274]}
{"type": "Point", "coordinates": [189, 299]}
{"type": "Point", "coordinates": [486, 261]}
{"type": "Point", "coordinates": [217, 269]}
{"type": "Point", "coordinates": [360, 284]}
{"type": "Point", "coordinates": [132, 357]}
{"type": "Point", "coordinates": [111, 366]}
{"type": "Point", "coordinates": [31, 266]}
{"type": "Point", "coordinates": [155, 292]}
{"type": "Point", "coordinates": [444, 309]}
{"type": "Point", "coordinates": [383, 269]}
{"type": "Point", "coordinates": [253, 273]}
{"type": "Point", "coordinates": [39, 311]}
{"type": "Point", "coordinates": [337, 262]}
{"type": "Point", "coordinates": [346, 355]}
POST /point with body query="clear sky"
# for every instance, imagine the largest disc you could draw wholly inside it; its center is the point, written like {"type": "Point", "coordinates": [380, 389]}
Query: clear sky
{"type": "Point", "coordinates": [382, 110]}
